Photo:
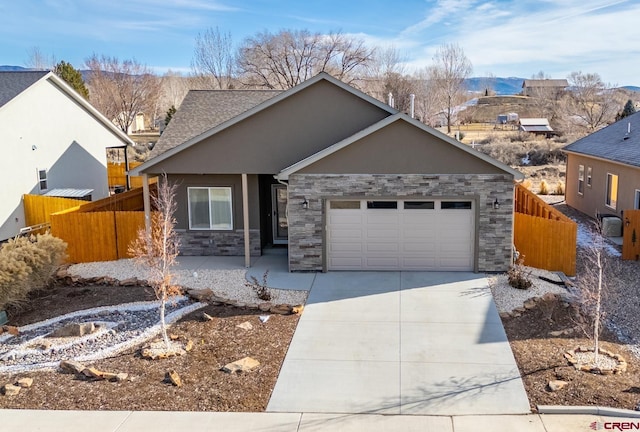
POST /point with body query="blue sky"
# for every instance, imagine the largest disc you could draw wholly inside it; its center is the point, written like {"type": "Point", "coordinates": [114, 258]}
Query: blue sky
{"type": "Point", "coordinates": [501, 37]}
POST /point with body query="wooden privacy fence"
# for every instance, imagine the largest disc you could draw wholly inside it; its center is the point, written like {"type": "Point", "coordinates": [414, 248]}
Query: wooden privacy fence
{"type": "Point", "coordinates": [631, 235]}
{"type": "Point", "coordinates": [117, 175]}
{"type": "Point", "coordinates": [545, 236]}
{"type": "Point", "coordinates": [94, 231]}
{"type": "Point", "coordinates": [38, 208]}
{"type": "Point", "coordinates": [97, 236]}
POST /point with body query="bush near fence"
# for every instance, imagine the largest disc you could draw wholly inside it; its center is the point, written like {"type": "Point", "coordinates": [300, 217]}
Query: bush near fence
{"type": "Point", "coordinates": [545, 236]}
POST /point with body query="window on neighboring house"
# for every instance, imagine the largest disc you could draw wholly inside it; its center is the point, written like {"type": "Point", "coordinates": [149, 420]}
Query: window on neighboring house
{"type": "Point", "coordinates": [581, 179]}
{"type": "Point", "coordinates": [589, 176]}
{"type": "Point", "coordinates": [210, 208]}
{"type": "Point", "coordinates": [612, 191]}
{"type": "Point", "coordinates": [42, 179]}
{"type": "Point", "coordinates": [637, 200]}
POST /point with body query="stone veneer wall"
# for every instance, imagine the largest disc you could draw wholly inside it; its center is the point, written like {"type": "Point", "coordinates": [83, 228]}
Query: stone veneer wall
{"type": "Point", "coordinates": [229, 243]}
{"type": "Point", "coordinates": [494, 227]}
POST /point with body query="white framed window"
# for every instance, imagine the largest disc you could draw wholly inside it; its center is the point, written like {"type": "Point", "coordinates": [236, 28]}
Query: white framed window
{"type": "Point", "coordinates": [42, 180]}
{"type": "Point", "coordinates": [611, 199]}
{"type": "Point", "coordinates": [581, 179]}
{"type": "Point", "coordinates": [589, 176]}
{"type": "Point", "coordinates": [210, 208]}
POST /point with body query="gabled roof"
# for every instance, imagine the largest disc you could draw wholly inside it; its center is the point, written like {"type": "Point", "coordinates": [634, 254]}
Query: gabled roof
{"type": "Point", "coordinates": [534, 122]}
{"type": "Point", "coordinates": [545, 83]}
{"type": "Point", "coordinates": [202, 110]}
{"type": "Point", "coordinates": [159, 157]}
{"type": "Point", "coordinates": [15, 82]}
{"type": "Point", "coordinates": [285, 173]}
{"type": "Point", "coordinates": [12, 84]}
{"type": "Point", "coordinates": [618, 142]}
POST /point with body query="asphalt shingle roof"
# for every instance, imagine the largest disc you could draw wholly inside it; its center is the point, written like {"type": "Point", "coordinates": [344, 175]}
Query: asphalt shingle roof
{"type": "Point", "coordinates": [613, 143]}
{"type": "Point", "coordinates": [12, 83]}
{"type": "Point", "coordinates": [202, 110]}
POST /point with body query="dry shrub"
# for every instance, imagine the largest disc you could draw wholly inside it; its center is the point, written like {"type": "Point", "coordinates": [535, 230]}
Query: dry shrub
{"type": "Point", "coordinates": [260, 288]}
{"type": "Point", "coordinates": [527, 184]}
{"type": "Point", "coordinates": [559, 189]}
{"type": "Point", "coordinates": [544, 188]}
{"type": "Point", "coordinates": [27, 264]}
{"type": "Point", "coordinates": [518, 275]}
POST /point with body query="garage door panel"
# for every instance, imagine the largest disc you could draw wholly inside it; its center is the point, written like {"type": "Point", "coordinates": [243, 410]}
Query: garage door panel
{"type": "Point", "coordinates": [396, 239]}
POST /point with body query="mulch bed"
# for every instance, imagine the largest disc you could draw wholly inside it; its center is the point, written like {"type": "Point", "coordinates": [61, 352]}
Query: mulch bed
{"type": "Point", "coordinates": [205, 387]}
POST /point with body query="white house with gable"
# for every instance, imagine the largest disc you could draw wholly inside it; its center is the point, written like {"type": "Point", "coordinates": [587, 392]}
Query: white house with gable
{"type": "Point", "coordinates": [52, 140]}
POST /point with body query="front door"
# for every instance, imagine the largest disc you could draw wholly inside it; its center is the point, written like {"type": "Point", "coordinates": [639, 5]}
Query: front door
{"type": "Point", "coordinates": [279, 209]}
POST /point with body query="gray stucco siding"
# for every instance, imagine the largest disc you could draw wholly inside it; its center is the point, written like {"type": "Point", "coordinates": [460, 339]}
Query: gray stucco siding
{"type": "Point", "coordinates": [494, 227]}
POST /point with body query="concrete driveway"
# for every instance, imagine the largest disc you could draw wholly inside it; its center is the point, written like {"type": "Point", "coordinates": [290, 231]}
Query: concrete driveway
{"type": "Point", "coordinates": [400, 343]}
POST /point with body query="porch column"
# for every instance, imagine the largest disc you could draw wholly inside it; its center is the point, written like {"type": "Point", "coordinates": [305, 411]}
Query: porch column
{"type": "Point", "coordinates": [146, 198]}
{"type": "Point", "coordinates": [245, 216]}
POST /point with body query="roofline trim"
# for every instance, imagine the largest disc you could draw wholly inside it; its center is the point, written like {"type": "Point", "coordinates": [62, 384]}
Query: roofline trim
{"type": "Point", "coordinates": [259, 108]}
{"type": "Point", "coordinates": [285, 173]}
{"type": "Point", "coordinates": [600, 158]}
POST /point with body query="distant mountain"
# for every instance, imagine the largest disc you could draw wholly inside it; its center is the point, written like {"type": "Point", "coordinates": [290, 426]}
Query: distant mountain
{"type": "Point", "coordinates": [5, 68]}
{"type": "Point", "coordinates": [502, 86]}
{"type": "Point", "coordinates": [632, 88]}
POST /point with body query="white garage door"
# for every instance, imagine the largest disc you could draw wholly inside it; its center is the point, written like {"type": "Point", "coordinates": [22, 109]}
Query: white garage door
{"type": "Point", "coordinates": [400, 235]}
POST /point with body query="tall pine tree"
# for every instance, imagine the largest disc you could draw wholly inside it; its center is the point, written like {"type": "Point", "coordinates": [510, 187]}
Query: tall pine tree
{"type": "Point", "coordinates": [72, 76]}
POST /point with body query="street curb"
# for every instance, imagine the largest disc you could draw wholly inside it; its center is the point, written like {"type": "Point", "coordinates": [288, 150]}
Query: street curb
{"type": "Point", "coordinates": [594, 410]}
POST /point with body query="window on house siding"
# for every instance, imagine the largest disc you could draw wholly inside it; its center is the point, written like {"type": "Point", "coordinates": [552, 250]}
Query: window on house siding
{"type": "Point", "coordinates": [210, 208]}
{"type": "Point", "coordinates": [589, 176]}
{"type": "Point", "coordinates": [42, 179]}
{"type": "Point", "coordinates": [581, 179]}
{"type": "Point", "coordinates": [612, 191]}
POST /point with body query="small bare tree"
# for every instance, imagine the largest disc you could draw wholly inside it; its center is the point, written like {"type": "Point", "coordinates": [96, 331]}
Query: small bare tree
{"type": "Point", "coordinates": [592, 285]}
{"type": "Point", "coordinates": [590, 100]}
{"type": "Point", "coordinates": [156, 250]}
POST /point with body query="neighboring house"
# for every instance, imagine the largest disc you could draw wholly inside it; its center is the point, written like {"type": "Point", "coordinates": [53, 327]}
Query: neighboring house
{"type": "Point", "coordinates": [52, 139]}
{"type": "Point", "coordinates": [603, 169]}
{"type": "Point", "coordinates": [536, 126]}
{"type": "Point", "coordinates": [347, 182]}
{"type": "Point", "coordinates": [544, 87]}
{"type": "Point", "coordinates": [136, 126]}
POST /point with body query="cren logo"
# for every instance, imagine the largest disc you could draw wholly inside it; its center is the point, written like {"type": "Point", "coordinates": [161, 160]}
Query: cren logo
{"type": "Point", "coordinates": [619, 426]}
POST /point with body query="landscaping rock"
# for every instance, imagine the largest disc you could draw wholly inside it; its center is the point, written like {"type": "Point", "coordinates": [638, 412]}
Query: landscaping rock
{"type": "Point", "coordinates": [10, 390]}
{"type": "Point", "coordinates": [157, 350]}
{"type": "Point", "coordinates": [25, 382]}
{"type": "Point", "coordinates": [207, 317]}
{"type": "Point", "coordinates": [74, 330]}
{"type": "Point", "coordinates": [246, 364]}
{"type": "Point", "coordinates": [264, 307]}
{"type": "Point", "coordinates": [281, 309]}
{"type": "Point", "coordinates": [70, 366]}
{"type": "Point", "coordinates": [174, 378]}
{"type": "Point", "coordinates": [188, 346]}
{"type": "Point", "coordinates": [12, 330]}
{"type": "Point", "coordinates": [245, 326]}
{"type": "Point", "coordinates": [297, 309]}
{"type": "Point", "coordinates": [556, 385]}
{"type": "Point", "coordinates": [98, 375]}
{"type": "Point", "coordinates": [202, 295]}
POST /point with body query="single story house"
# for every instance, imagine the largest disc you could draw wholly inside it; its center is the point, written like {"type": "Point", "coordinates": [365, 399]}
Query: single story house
{"type": "Point", "coordinates": [536, 126]}
{"type": "Point", "coordinates": [344, 180]}
{"type": "Point", "coordinates": [54, 143]}
{"type": "Point", "coordinates": [603, 169]}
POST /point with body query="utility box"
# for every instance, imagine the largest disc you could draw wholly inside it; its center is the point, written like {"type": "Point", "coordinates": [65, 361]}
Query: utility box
{"type": "Point", "coordinates": [612, 226]}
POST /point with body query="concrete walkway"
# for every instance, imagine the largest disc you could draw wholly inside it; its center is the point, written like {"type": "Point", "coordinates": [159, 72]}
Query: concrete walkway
{"type": "Point", "coordinates": [165, 421]}
{"type": "Point", "coordinates": [419, 343]}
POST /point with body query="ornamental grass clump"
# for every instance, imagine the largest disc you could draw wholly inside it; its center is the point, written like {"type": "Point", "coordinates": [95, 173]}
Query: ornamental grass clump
{"type": "Point", "coordinates": [27, 264]}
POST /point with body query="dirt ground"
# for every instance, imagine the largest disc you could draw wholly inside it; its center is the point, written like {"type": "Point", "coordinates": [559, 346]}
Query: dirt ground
{"type": "Point", "coordinates": [540, 359]}
{"type": "Point", "coordinates": [205, 387]}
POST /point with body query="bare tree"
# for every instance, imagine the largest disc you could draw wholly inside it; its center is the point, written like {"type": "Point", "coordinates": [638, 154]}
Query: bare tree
{"type": "Point", "coordinates": [37, 60]}
{"type": "Point", "coordinates": [156, 250]}
{"type": "Point", "coordinates": [386, 75]}
{"type": "Point", "coordinates": [214, 60]}
{"type": "Point", "coordinates": [451, 67]}
{"type": "Point", "coordinates": [428, 101]}
{"type": "Point", "coordinates": [122, 89]}
{"type": "Point", "coordinates": [592, 285]}
{"type": "Point", "coordinates": [592, 102]}
{"type": "Point", "coordinates": [285, 59]}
